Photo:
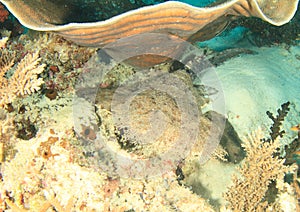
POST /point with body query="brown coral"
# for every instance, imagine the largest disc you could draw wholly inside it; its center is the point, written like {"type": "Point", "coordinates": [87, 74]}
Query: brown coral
{"type": "Point", "coordinates": [3, 13]}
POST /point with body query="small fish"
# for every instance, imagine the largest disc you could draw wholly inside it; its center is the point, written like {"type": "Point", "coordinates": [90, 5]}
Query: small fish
{"type": "Point", "coordinates": [296, 128]}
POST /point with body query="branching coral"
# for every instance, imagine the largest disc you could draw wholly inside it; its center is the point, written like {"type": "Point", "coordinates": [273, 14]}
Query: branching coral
{"type": "Point", "coordinates": [24, 80]}
{"type": "Point", "coordinates": [275, 130]}
{"type": "Point", "coordinates": [259, 169]}
{"type": "Point", "coordinates": [63, 58]}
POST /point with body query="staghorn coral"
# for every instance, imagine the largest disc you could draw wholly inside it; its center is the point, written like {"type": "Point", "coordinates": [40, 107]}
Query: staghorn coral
{"type": "Point", "coordinates": [259, 169]}
{"type": "Point", "coordinates": [24, 79]}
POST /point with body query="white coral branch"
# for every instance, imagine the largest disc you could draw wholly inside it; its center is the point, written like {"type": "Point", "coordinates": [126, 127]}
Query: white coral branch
{"type": "Point", "coordinates": [25, 79]}
{"type": "Point", "coordinates": [3, 42]}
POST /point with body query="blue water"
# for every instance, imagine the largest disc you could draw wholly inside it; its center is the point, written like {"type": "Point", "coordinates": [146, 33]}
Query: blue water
{"type": "Point", "coordinates": [227, 39]}
{"type": "Point", "coordinates": [199, 3]}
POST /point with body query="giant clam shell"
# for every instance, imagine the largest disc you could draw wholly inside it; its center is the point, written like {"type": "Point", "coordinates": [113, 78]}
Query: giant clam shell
{"type": "Point", "coordinates": [185, 21]}
{"type": "Point", "coordinates": [172, 17]}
